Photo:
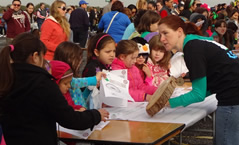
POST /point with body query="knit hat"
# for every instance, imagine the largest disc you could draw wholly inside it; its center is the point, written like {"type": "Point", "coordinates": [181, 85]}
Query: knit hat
{"type": "Point", "coordinates": [58, 69]}
{"type": "Point", "coordinates": [142, 45]}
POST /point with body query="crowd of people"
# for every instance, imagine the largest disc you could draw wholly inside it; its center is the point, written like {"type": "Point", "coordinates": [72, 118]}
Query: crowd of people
{"type": "Point", "coordinates": [41, 82]}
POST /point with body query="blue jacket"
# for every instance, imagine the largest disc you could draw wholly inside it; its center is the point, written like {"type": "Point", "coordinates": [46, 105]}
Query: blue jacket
{"type": "Point", "coordinates": [118, 25]}
{"type": "Point", "coordinates": [79, 97]}
{"type": "Point", "coordinates": [128, 31]}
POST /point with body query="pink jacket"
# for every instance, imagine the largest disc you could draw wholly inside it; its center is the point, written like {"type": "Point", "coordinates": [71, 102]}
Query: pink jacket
{"type": "Point", "coordinates": [137, 87]}
{"type": "Point", "coordinates": [52, 34]}
{"type": "Point", "coordinates": [159, 74]}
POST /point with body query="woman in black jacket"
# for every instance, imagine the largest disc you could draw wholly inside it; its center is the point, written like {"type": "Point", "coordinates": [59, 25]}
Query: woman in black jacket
{"type": "Point", "coordinates": [31, 102]}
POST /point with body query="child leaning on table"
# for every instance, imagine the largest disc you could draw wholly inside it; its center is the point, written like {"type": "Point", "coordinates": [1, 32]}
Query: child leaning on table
{"type": "Point", "coordinates": [142, 58]}
{"type": "Point", "coordinates": [71, 54]}
{"type": "Point", "coordinates": [101, 53]}
{"type": "Point", "coordinates": [63, 76]}
{"type": "Point", "coordinates": [127, 52]}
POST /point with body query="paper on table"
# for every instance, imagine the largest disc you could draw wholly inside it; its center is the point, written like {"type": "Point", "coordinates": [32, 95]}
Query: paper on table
{"type": "Point", "coordinates": [114, 90]}
{"type": "Point", "coordinates": [187, 115]}
{"type": "Point", "coordinates": [84, 134]}
{"type": "Point", "coordinates": [178, 66]}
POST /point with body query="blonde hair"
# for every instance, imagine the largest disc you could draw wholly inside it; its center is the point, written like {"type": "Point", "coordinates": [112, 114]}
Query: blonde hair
{"type": "Point", "coordinates": [140, 4]}
{"type": "Point", "coordinates": [60, 19]}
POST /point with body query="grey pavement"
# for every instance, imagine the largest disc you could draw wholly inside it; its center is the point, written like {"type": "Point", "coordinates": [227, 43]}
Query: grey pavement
{"type": "Point", "coordinates": [2, 42]}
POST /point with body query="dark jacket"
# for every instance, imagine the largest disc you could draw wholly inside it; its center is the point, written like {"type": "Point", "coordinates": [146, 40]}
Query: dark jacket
{"type": "Point", "coordinates": [94, 66]}
{"type": "Point", "coordinates": [34, 105]}
{"type": "Point", "coordinates": [79, 19]}
{"type": "Point", "coordinates": [195, 17]}
{"type": "Point", "coordinates": [186, 14]}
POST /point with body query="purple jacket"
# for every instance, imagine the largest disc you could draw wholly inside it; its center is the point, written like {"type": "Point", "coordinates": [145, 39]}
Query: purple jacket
{"type": "Point", "coordinates": [137, 87]}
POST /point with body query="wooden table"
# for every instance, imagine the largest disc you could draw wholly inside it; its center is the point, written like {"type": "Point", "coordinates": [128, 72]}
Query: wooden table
{"type": "Point", "coordinates": [130, 132]}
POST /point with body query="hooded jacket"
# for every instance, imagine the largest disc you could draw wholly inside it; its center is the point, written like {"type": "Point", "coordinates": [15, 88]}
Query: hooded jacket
{"type": "Point", "coordinates": [17, 22]}
{"type": "Point", "coordinates": [58, 69]}
{"type": "Point", "coordinates": [194, 17]}
{"type": "Point", "coordinates": [137, 88]}
{"type": "Point", "coordinates": [34, 105]}
{"type": "Point", "coordinates": [52, 34]}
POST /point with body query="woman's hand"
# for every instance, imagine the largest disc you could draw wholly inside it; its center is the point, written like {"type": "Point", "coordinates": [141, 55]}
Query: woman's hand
{"type": "Point", "coordinates": [104, 114]}
{"type": "Point", "coordinates": [147, 71]}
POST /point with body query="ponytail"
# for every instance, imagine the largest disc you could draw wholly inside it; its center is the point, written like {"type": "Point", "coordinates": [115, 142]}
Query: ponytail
{"type": "Point", "coordinates": [6, 73]}
{"type": "Point", "coordinates": [24, 45]}
{"type": "Point", "coordinates": [174, 22]}
{"type": "Point", "coordinates": [191, 28]}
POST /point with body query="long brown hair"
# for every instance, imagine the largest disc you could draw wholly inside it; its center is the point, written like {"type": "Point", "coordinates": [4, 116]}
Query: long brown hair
{"type": "Point", "coordinates": [155, 44]}
{"type": "Point", "coordinates": [150, 17]}
{"type": "Point", "coordinates": [71, 54]}
{"type": "Point", "coordinates": [60, 19]}
{"type": "Point", "coordinates": [22, 47]}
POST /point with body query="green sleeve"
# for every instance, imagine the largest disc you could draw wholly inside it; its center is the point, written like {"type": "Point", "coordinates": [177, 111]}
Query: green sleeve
{"type": "Point", "coordinates": [198, 94]}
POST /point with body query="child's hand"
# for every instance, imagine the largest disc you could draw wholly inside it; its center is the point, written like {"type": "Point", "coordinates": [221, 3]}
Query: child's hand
{"type": "Point", "coordinates": [99, 75]}
{"type": "Point", "coordinates": [104, 114]}
{"type": "Point", "coordinates": [146, 70]}
{"type": "Point", "coordinates": [81, 109]}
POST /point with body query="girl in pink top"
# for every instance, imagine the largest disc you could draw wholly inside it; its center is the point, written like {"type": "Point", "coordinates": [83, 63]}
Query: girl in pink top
{"type": "Point", "coordinates": [142, 58]}
{"type": "Point", "coordinates": [159, 60]}
{"type": "Point", "coordinates": [126, 53]}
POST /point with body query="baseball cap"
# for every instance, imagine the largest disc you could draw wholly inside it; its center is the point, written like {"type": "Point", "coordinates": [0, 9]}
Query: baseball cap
{"type": "Point", "coordinates": [83, 2]}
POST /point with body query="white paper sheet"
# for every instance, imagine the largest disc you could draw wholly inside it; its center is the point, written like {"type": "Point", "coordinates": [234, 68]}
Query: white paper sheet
{"type": "Point", "coordinates": [84, 134]}
{"type": "Point", "coordinates": [178, 66]}
{"type": "Point", "coordinates": [114, 90]}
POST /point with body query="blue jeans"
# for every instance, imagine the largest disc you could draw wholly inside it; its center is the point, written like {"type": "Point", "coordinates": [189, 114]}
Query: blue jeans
{"type": "Point", "coordinates": [227, 125]}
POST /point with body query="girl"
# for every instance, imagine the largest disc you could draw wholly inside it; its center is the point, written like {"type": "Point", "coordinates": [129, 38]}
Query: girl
{"type": "Point", "coordinates": [63, 76]}
{"type": "Point", "coordinates": [221, 35]}
{"type": "Point", "coordinates": [127, 52]}
{"type": "Point", "coordinates": [159, 61]}
{"type": "Point", "coordinates": [101, 53]}
{"type": "Point", "coordinates": [142, 58]}
{"type": "Point", "coordinates": [189, 8]}
{"type": "Point", "coordinates": [148, 23]}
{"type": "Point", "coordinates": [55, 28]}
{"type": "Point", "coordinates": [212, 69]}
{"type": "Point", "coordinates": [30, 102]}
{"type": "Point", "coordinates": [71, 54]}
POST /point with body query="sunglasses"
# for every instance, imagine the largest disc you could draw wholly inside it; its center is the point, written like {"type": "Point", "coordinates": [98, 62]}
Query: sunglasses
{"type": "Point", "coordinates": [16, 5]}
{"type": "Point", "coordinates": [63, 8]}
{"type": "Point", "coordinates": [143, 55]}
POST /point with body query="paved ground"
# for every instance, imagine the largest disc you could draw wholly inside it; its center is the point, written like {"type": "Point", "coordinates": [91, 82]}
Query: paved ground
{"type": "Point", "coordinates": [2, 42]}
{"type": "Point", "coordinates": [192, 137]}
